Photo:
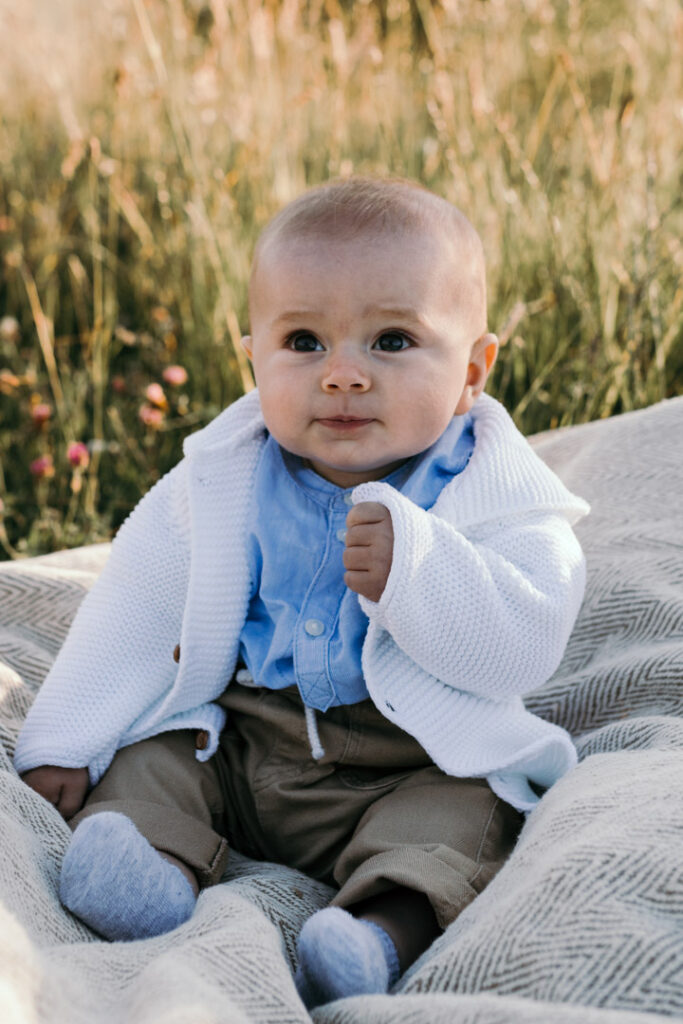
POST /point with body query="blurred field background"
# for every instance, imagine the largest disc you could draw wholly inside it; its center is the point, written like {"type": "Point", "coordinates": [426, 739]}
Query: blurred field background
{"type": "Point", "coordinates": [144, 143]}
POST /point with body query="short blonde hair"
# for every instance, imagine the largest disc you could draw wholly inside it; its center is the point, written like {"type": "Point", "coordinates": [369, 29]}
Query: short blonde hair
{"type": "Point", "coordinates": [357, 206]}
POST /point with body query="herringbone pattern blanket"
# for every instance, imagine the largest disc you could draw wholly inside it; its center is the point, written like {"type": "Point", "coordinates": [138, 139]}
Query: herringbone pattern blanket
{"type": "Point", "coordinates": [584, 925]}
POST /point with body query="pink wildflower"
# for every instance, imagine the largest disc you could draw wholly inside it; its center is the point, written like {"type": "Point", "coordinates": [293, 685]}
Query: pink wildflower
{"type": "Point", "coordinates": [41, 413]}
{"type": "Point", "coordinates": [151, 417]}
{"type": "Point", "coordinates": [154, 393]}
{"type": "Point", "coordinates": [42, 467]}
{"type": "Point", "coordinates": [118, 384]}
{"type": "Point", "coordinates": [175, 375]}
{"type": "Point", "coordinates": [78, 455]}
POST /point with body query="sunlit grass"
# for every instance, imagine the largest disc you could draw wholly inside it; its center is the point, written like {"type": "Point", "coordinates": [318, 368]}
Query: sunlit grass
{"type": "Point", "coordinates": [143, 144]}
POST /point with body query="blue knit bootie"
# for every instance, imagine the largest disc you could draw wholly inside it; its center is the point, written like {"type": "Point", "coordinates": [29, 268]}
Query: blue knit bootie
{"type": "Point", "coordinates": [116, 882]}
{"type": "Point", "coordinates": [341, 955]}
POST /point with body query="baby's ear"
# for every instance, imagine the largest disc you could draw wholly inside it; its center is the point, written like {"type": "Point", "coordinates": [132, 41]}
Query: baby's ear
{"type": "Point", "coordinates": [490, 343]}
{"type": "Point", "coordinates": [482, 357]}
{"type": "Point", "coordinates": [246, 344]}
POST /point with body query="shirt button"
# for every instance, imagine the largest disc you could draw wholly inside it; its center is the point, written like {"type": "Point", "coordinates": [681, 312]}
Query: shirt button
{"type": "Point", "coordinates": [314, 627]}
{"type": "Point", "coordinates": [341, 535]}
{"type": "Point", "coordinates": [348, 500]}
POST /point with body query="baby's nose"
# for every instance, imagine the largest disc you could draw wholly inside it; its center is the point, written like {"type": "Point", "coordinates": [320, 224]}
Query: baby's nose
{"type": "Point", "coordinates": [345, 374]}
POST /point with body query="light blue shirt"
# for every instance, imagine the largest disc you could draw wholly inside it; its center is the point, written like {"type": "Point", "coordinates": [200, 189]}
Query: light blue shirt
{"type": "Point", "coordinates": [304, 626]}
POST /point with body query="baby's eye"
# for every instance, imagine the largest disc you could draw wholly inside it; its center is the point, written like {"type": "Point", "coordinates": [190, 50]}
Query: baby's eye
{"type": "Point", "coordinates": [392, 341]}
{"type": "Point", "coordinates": [304, 341]}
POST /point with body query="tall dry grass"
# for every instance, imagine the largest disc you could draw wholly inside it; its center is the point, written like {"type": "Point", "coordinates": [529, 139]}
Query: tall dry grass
{"type": "Point", "coordinates": [143, 143]}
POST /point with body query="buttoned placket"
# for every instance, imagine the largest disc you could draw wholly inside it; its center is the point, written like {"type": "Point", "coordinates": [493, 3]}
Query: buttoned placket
{"type": "Point", "coordinates": [317, 619]}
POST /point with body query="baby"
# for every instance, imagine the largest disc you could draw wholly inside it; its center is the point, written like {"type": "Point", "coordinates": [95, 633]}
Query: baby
{"type": "Point", "coordinates": [311, 637]}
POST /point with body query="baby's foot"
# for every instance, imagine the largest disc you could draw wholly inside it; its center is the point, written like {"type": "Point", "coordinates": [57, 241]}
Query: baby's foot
{"type": "Point", "coordinates": [341, 955]}
{"type": "Point", "coordinates": [116, 882]}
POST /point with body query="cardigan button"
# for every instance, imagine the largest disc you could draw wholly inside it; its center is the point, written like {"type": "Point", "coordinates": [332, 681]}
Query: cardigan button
{"type": "Point", "coordinates": [176, 653]}
{"type": "Point", "coordinates": [202, 740]}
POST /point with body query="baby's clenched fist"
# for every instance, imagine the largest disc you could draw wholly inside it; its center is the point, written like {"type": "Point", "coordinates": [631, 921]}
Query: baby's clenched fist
{"type": "Point", "coordinates": [64, 788]}
{"type": "Point", "coordinates": [369, 549]}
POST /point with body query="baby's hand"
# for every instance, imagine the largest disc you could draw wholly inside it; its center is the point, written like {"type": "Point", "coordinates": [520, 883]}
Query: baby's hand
{"type": "Point", "coordinates": [369, 549]}
{"type": "Point", "coordinates": [64, 788]}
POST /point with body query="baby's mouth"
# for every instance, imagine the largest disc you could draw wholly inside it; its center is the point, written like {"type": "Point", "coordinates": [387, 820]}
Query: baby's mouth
{"type": "Point", "coordinates": [345, 423]}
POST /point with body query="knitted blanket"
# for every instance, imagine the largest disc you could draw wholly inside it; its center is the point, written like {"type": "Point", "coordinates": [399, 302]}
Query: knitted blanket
{"type": "Point", "coordinates": [584, 924]}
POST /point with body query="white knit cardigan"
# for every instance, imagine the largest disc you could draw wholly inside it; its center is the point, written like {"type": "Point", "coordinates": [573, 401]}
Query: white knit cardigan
{"type": "Point", "coordinates": [482, 594]}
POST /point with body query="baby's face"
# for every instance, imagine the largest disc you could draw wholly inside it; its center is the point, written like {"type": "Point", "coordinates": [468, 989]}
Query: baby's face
{"type": "Point", "coordinates": [363, 349]}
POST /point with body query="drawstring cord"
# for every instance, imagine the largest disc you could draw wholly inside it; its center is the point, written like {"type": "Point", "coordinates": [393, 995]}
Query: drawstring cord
{"type": "Point", "coordinates": [245, 678]}
{"type": "Point", "coordinates": [313, 738]}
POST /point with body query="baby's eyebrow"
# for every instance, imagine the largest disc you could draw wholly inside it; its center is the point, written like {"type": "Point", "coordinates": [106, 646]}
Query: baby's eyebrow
{"type": "Point", "coordinates": [392, 312]}
{"type": "Point", "coordinates": [294, 316]}
{"type": "Point", "coordinates": [397, 312]}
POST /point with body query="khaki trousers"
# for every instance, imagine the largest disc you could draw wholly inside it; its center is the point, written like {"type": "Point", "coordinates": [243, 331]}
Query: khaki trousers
{"type": "Point", "coordinates": [374, 813]}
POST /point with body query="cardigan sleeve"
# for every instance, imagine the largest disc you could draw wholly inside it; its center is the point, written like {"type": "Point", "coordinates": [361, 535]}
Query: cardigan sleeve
{"type": "Point", "coordinates": [488, 614]}
{"type": "Point", "coordinates": [117, 659]}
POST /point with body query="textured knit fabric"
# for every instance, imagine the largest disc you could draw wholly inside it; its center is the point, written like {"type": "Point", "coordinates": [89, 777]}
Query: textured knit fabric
{"type": "Point", "coordinates": [119, 885]}
{"type": "Point", "coordinates": [340, 956]}
{"type": "Point", "coordinates": [304, 626]}
{"type": "Point", "coordinates": [480, 601]}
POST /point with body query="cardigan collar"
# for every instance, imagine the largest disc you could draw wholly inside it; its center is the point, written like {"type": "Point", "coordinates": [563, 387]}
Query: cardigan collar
{"type": "Point", "coordinates": [504, 475]}
{"type": "Point", "coordinates": [240, 422]}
